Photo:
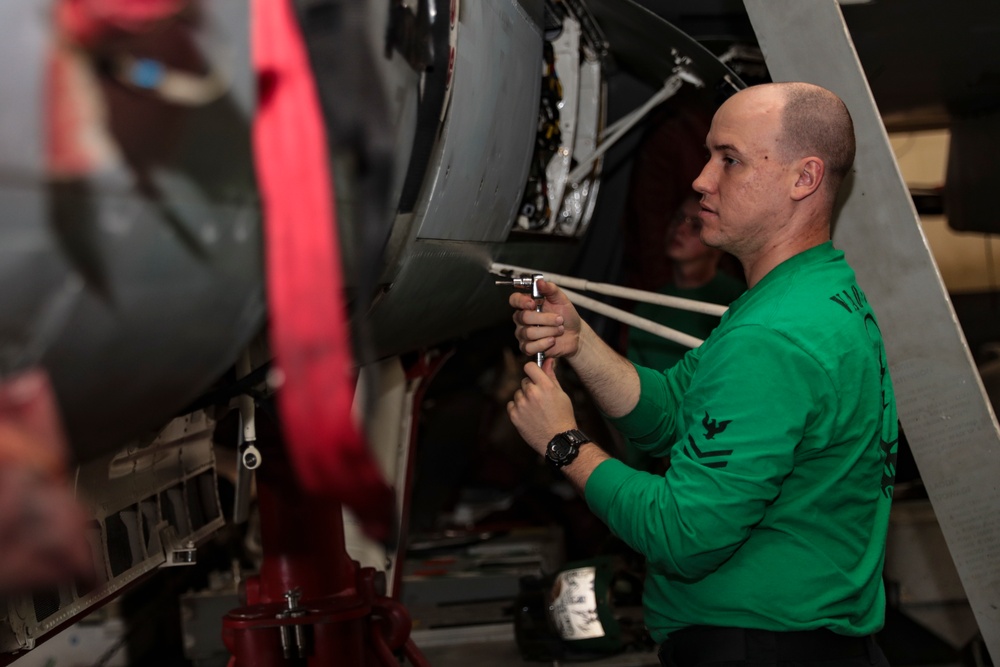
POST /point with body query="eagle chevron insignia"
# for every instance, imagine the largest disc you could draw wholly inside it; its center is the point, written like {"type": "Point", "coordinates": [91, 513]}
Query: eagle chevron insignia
{"type": "Point", "coordinates": [713, 427]}
{"type": "Point", "coordinates": [700, 455]}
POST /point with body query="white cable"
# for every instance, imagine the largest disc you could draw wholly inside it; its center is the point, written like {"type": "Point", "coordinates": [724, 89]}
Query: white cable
{"type": "Point", "coordinates": [632, 320]}
{"type": "Point", "coordinates": [618, 291]}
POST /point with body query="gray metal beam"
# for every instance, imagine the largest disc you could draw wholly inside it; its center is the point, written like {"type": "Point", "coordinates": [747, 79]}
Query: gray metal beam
{"type": "Point", "coordinates": [948, 421]}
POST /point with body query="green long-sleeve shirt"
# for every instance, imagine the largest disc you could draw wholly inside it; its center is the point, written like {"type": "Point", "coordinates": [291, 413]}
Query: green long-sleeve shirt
{"type": "Point", "coordinates": [781, 431]}
{"type": "Point", "coordinates": [649, 350]}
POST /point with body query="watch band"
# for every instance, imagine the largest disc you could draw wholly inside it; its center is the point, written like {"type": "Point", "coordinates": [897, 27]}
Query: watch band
{"type": "Point", "coordinates": [564, 447]}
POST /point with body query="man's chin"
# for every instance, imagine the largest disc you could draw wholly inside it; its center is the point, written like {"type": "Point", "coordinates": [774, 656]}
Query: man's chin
{"type": "Point", "coordinates": [711, 240]}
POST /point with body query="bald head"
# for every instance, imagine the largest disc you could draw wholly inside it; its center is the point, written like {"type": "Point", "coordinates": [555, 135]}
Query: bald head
{"type": "Point", "coordinates": [815, 121]}
{"type": "Point", "coordinates": [777, 155]}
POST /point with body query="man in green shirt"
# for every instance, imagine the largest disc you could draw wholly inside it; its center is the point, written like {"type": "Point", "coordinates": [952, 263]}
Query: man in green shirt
{"type": "Point", "coordinates": [765, 538]}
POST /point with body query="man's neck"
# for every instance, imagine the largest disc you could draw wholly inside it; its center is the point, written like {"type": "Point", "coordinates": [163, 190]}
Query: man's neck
{"type": "Point", "coordinates": [689, 275]}
{"type": "Point", "coordinates": [781, 249]}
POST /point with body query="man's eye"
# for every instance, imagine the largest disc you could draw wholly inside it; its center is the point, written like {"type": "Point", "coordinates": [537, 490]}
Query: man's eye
{"type": "Point", "coordinates": [729, 161]}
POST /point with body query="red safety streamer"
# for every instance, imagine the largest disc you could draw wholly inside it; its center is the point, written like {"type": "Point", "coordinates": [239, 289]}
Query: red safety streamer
{"type": "Point", "coordinates": [309, 333]}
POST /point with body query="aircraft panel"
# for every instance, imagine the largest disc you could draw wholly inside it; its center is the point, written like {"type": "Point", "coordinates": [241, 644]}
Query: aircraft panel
{"type": "Point", "coordinates": [130, 253]}
{"type": "Point", "coordinates": [475, 181]}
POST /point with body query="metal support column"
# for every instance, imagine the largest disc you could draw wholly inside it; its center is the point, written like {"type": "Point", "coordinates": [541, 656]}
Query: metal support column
{"type": "Point", "coordinates": [311, 605]}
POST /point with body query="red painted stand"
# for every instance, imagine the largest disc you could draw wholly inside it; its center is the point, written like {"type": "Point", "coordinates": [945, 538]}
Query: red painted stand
{"type": "Point", "coordinates": [311, 605]}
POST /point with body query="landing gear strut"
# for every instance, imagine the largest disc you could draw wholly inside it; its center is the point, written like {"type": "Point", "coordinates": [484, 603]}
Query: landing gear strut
{"type": "Point", "coordinates": [312, 605]}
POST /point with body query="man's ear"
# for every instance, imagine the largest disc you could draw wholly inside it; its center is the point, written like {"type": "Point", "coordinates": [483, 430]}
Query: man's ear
{"type": "Point", "coordinates": [811, 171]}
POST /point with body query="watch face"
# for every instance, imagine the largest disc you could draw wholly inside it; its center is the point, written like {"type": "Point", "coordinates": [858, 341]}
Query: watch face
{"type": "Point", "coordinates": [563, 448]}
{"type": "Point", "coordinates": [560, 450]}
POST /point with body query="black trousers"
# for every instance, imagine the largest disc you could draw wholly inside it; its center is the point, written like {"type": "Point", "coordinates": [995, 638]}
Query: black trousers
{"type": "Point", "coordinates": [738, 647]}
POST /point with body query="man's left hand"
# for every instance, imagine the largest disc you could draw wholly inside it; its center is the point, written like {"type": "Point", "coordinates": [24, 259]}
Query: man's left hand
{"type": "Point", "coordinates": [541, 409]}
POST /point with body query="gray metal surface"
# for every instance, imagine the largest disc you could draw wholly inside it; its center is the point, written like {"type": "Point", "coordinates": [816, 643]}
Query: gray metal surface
{"type": "Point", "coordinates": [473, 187]}
{"type": "Point", "coordinates": [948, 422]}
{"type": "Point", "coordinates": [134, 284]}
{"type": "Point", "coordinates": [436, 285]}
{"type": "Point", "coordinates": [144, 501]}
{"type": "Point", "coordinates": [201, 623]}
{"type": "Point", "coordinates": [920, 569]}
{"type": "Point", "coordinates": [444, 290]}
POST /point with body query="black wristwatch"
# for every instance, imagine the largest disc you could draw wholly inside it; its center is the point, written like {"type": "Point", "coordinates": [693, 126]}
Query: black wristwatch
{"type": "Point", "coordinates": [563, 449]}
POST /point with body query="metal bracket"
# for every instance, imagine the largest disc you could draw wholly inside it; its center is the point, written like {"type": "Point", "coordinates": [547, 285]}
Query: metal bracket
{"type": "Point", "coordinates": [682, 73]}
{"type": "Point", "coordinates": [176, 551]}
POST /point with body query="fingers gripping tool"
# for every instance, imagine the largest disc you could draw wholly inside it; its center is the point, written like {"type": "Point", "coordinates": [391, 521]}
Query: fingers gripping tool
{"type": "Point", "coordinates": [525, 283]}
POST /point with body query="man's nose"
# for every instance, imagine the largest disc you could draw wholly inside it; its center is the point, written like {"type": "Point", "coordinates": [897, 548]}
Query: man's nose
{"type": "Point", "coordinates": [704, 183]}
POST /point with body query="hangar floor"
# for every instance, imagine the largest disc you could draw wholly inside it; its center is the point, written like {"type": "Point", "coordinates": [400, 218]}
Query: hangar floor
{"type": "Point", "coordinates": [488, 654]}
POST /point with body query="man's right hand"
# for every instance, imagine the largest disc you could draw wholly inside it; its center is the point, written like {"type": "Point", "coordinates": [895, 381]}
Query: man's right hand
{"type": "Point", "coordinates": [558, 331]}
{"type": "Point", "coordinates": [554, 331]}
